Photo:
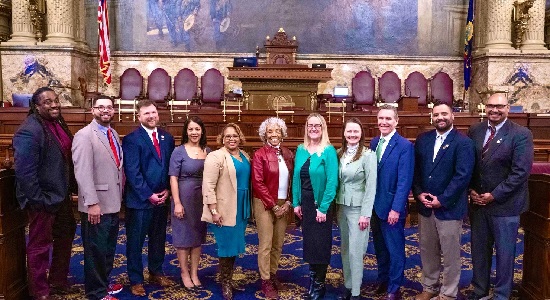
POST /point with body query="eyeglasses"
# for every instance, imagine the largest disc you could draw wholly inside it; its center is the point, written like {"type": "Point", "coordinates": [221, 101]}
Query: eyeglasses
{"type": "Point", "coordinates": [497, 106]}
{"type": "Point", "coordinates": [231, 137]}
{"type": "Point", "coordinates": [316, 126]}
{"type": "Point", "coordinates": [104, 108]}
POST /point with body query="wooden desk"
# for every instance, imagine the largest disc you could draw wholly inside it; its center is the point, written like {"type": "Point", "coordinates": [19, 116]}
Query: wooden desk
{"type": "Point", "coordinates": [268, 85]}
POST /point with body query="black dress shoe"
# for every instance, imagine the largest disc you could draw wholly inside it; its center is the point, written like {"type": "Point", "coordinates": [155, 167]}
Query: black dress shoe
{"type": "Point", "coordinates": [378, 289]}
{"type": "Point", "coordinates": [346, 295]}
{"type": "Point", "coordinates": [355, 298]}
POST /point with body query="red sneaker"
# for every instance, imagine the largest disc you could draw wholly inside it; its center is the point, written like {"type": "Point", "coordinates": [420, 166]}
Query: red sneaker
{"type": "Point", "coordinates": [114, 288]}
{"type": "Point", "coordinates": [109, 297]}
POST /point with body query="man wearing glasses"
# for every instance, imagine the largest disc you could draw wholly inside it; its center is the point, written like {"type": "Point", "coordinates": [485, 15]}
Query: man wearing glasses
{"type": "Point", "coordinates": [97, 157]}
{"type": "Point", "coordinates": [498, 195]}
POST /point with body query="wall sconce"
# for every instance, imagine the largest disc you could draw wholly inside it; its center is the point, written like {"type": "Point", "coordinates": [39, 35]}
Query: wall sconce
{"type": "Point", "coordinates": [521, 18]}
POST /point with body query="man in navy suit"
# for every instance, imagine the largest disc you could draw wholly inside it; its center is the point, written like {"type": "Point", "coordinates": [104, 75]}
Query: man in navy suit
{"type": "Point", "coordinates": [498, 195]}
{"type": "Point", "coordinates": [444, 162]}
{"type": "Point", "coordinates": [395, 175]}
{"type": "Point", "coordinates": [44, 180]}
{"type": "Point", "coordinates": [147, 152]}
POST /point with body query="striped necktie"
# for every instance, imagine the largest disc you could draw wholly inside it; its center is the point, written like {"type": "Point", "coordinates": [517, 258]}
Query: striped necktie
{"type": "Point", "coordinates": [491, 137]}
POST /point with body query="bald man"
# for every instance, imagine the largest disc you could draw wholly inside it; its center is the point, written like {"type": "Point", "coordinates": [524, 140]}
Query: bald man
{"type": "Point", "coordinates": [498, 195]}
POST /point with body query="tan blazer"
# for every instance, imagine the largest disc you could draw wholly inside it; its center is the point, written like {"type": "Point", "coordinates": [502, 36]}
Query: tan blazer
{"type": "Point", "coordinates": [99, 180]}
{"type": "Point", "coordinates": [219, 185]}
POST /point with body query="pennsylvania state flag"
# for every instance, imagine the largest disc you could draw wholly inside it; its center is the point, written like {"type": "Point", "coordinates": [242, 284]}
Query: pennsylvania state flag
{"type": "Point", "coordinates": [468, 45]}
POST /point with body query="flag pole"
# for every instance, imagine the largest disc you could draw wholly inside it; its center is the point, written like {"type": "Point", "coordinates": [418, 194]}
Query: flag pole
{"type": "Point", "coordinates": [97, 66]}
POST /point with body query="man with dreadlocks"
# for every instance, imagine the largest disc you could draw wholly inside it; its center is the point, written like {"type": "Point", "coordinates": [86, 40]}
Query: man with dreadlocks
{"type": "Point", "coordinates": [44, 181]}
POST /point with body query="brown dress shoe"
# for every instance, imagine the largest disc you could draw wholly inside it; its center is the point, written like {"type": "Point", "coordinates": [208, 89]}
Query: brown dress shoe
{"type": "Point", "coordinates": [138, 290]}
{"type": "Point", "coordinates": [161, 280]}
{"type": "Point", "coordinates": [425, 295]}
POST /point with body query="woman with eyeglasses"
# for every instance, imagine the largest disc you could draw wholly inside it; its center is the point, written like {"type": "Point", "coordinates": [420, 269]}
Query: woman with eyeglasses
{"type": "Point", "coordinates": [272, 168]}
{"type": "Point", "coordinates": [226, 200]}
{"type": "Point", "coordinates": [314, 187]}
{"type": "Point", "coordinates": [186, 169]}
{"type": "Point", "coordinates": [355, 199]}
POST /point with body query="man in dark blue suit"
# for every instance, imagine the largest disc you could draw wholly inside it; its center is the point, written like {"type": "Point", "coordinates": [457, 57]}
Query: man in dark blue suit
{"type": "Point", "coordinates": [498, 195]}
{"type": "Point", "coordinates": [395, 175]}
{"type": "Point", "coordinates": [444, 162]}
{"type": "Point", "coordinates": [147, 152]}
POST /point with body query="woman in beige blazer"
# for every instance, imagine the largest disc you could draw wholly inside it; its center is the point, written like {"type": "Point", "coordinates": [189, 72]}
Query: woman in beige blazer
{"type": "Point", "coordinates": [226, 198]}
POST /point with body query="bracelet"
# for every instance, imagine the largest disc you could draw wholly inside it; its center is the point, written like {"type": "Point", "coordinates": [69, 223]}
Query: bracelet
{"type": "Point", "coordinates": [276, 208]}
{"type": "Point", "coordinates": [214, 211]}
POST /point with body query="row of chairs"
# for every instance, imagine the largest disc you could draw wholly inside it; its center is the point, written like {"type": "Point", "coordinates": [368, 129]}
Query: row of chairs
{"type": "Point", "coordinates": [437, 88]}
{"type": "Point", "coordinates": [161, 90]}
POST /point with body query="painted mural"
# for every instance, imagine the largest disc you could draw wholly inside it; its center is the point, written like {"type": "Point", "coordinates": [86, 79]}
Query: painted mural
{"type": "Point", "coordinates": [238, 26]}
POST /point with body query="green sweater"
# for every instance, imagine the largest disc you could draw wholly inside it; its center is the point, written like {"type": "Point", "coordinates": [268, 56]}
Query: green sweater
{"type": "Point", "coordinates": [323, 172]}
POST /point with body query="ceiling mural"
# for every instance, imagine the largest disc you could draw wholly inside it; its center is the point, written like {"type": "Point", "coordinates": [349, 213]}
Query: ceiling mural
{"type": "Point", "coordinates": [238, 26]}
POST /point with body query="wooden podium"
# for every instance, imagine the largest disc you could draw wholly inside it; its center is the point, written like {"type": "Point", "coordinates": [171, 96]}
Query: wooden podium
{"type": "Point", "coordinates": [536, 255]}
{"type": "Point", "coordinates": [13, 274]}
{"type": "Point", "coordinates": [280, 79]}
{"type": "Point", "coordinates": [408, 103]}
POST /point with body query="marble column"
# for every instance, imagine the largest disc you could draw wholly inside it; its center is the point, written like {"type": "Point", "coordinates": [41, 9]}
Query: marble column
{"type": "Point", "coordinates": [22, 29]}
{"type": "Point", "coordinates": [80, 24]}
{"type": "Point", "coordinates": [533, 40]}
{"type": "Point", "coordinates": [60, 23]}
{"type": "Point", "coordinates": [480, 25]}
{"type": "Point", "coordinates": [499, 26]}
{"type": "Point", "coordinates": [424, 27]}
{"type": "Point", "coordinates": [547, 26]}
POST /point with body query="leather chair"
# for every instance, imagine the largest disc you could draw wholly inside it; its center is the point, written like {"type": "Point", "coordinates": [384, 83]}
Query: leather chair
{"type": "Point", "coordinates": [362, 91]}
{"type": "Point", "coordinates": [416, 85]}
{"type": "Point", "coordinates": [131, 85]}
{"type": "Point", "coordinates": [212, 85]}
{"type": "Point", "coordinates": [159, 84]}
{"type": "Point", "coordinates": [441, 86]}
{"type": "Point", "coordinates": [389, 87]}
{"type": "Point", "coordinates": [185, 85]}
{"type": "Point", "coordinates": [185, 94]}
{"type": "Point", "coordinates": [130, 91]}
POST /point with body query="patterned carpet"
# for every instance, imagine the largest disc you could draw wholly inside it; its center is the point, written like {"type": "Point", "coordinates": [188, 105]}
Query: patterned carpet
{"type": "Point", "coordinates": [293, 270]}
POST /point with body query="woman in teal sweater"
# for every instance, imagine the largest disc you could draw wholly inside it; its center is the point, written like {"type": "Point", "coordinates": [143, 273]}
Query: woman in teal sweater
{"type": "Point", "coordinates": [314, 186]}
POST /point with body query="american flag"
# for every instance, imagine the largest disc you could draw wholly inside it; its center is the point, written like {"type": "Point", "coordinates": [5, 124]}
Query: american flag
{"type": "Point", "coordinates": [104, 52]}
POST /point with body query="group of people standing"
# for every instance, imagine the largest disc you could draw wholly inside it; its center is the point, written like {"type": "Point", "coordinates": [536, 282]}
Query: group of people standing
{"type": "Point", "coordinates": [365, 188]}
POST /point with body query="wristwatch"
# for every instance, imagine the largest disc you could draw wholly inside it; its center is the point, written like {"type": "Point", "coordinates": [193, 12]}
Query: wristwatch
{"type": "Point", "coordinates": [214, 211]}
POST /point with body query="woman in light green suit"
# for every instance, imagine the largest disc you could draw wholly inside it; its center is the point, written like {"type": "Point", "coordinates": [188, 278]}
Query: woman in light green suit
{"type": "Point", "coordinates": [355, 198]}
{"type": "Point", "coordinates": [313, 190]}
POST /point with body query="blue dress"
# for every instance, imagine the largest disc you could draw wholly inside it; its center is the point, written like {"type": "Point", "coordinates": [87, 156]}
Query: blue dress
{"type": "Point", "coordinates": [189, 231]}
{"type": "Point", "coordinates": [230, 239]}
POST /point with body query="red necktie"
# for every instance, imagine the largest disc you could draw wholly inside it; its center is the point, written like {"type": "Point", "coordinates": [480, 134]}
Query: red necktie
{"type": "Point", "coordinates": [491, 136]}
{"type": "Point", "coordinates": [113, 147]}
{"type": "Point", "coordinates": [156, 143]}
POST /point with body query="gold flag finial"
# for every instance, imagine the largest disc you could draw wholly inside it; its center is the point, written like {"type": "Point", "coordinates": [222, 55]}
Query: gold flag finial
{"type": "Point", "coordinates": [281, 29]}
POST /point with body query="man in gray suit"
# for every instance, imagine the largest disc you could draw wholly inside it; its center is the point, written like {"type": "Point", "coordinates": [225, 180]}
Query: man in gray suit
{"type": "Point", "coordinates": [97, 157]}
{"type": "Point", "coordinates": [498, 195]}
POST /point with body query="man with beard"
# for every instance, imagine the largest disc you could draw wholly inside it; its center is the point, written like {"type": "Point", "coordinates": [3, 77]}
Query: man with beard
{"type": "Point", "coordinates": [148, 150]}
{"type": "Point", "coordinates": [97, 157]}
{"type": "Point", "coordinates": [444, 162]}
{"type": "Point", "coordinates": [44, 180]}
{"type": "Point", "coordinates": [498, 195]}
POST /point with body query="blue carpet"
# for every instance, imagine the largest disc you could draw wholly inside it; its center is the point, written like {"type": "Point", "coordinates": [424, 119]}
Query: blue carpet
{"type": "Point", "coordinates": [293, 270]}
